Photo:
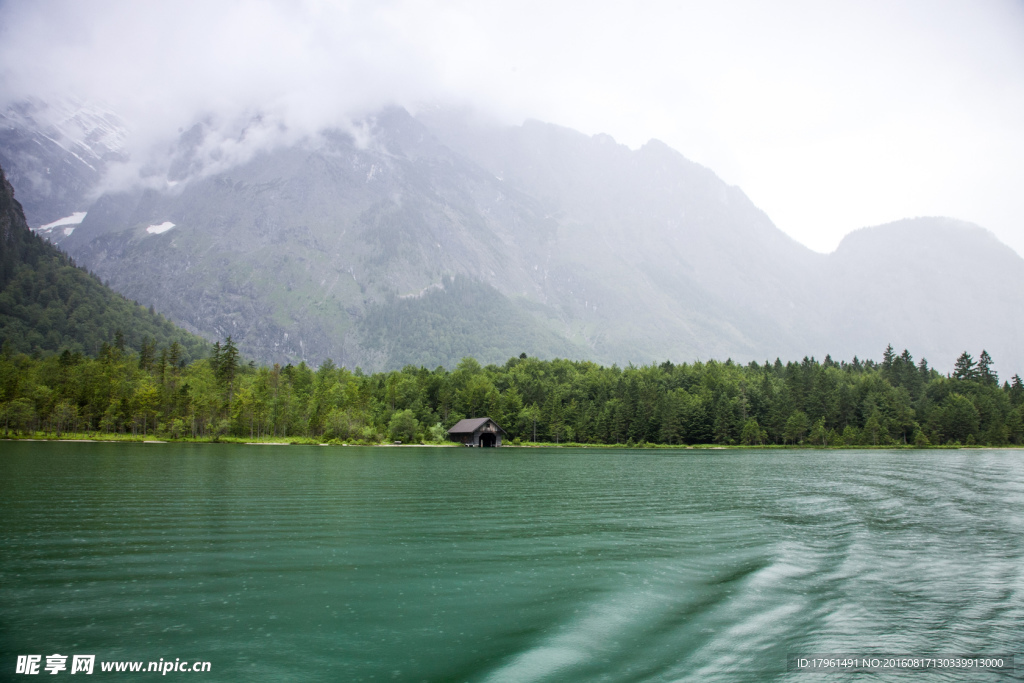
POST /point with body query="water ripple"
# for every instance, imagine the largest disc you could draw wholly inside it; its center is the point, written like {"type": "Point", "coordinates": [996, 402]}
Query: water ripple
{"type": "Point", "coordinates": [353, 564]}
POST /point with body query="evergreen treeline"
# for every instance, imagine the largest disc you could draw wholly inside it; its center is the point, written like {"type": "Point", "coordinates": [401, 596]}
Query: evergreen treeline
{"type": "Point", "coordinates": [154, 392]}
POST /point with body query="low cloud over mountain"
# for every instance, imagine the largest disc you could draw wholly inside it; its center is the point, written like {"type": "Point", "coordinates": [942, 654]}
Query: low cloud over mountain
{"type": "Point", "coordinates": [421, 239]}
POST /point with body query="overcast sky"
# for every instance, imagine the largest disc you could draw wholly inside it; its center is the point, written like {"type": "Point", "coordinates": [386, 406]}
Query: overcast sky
{"type": "Point", "coordinates": [829, 115]}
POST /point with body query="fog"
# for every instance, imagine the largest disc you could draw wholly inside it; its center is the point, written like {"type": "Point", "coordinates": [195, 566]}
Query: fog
{"type": "Point", "coordinates": [830, 116]}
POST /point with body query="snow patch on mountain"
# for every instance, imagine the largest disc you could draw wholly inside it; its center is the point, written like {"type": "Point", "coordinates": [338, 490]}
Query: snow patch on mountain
{"type": "Point", "coordinates": [158, 229]}
{"type": "Point", "coordinates": [74, 219]}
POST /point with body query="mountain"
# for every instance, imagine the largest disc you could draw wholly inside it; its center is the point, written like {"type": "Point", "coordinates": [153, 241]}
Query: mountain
{"type": "Point", "coordinates": [935, 285]}
{"type": "Point", "coordinates": [422, 239]}
{"type": "Point", "coordinates": [687, 262]}
{"type": "Point", "coordinates": [297, 252]}
{"type": "Point", "coordinates": [56, 155]}
{"type": "Point", "coordinates": [48, 304]}
{"type": "Point", "coordinates": [938, 285]}
{"type": "Point", "coordinates": [309, 253]}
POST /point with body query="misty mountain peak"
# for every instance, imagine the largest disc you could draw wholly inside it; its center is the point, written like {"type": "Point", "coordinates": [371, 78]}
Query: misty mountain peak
{"type": "Point", "coordinates": [939, 236]}
{"type": "Point", "coordinates": [56, 154]}
{"type": "Point", "coordinates": [396, 131]}
{"type": "Point", "coordinates": [419, 239]}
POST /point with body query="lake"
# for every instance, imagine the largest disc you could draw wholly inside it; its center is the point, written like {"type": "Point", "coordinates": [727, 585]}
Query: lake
{"type": "Point", "coordinates": [295, 563]}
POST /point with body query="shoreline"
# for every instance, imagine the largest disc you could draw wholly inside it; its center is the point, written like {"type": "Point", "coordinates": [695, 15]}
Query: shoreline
{"type": "Point", "coordinates": [105, 438]}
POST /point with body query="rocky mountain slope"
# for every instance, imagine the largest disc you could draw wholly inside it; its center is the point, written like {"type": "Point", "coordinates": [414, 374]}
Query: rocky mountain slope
{"type": "Point", "coordinates": [437, 236]}
{"type": "Point", "coordinates": [47, 304]}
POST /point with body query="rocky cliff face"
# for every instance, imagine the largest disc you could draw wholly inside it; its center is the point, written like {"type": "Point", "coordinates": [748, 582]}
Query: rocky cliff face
{"type": "Point", "coordinates": [435, 237]}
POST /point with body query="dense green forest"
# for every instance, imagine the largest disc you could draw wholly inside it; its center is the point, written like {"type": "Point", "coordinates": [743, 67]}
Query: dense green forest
{"type": "Point", "coordinates": [154, 393]}
{"type": "Point", "coordinates": [47, 303]}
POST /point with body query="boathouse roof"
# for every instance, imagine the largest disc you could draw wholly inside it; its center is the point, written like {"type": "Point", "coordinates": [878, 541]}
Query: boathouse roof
{"type": "Point", "coordinates": [471, 424]}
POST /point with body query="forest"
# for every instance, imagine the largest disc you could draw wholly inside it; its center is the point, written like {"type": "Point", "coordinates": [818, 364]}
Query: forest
{"type": "Point", "coordinates": [153, 393]}
{"type": "Point", "coordinates": [48, 303]}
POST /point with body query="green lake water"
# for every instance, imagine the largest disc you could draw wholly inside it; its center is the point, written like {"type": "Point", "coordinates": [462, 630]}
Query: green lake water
{"type": "Point", "coordinates": [416, 564]}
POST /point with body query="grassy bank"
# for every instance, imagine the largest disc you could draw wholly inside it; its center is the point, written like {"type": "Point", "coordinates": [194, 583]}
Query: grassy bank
{"type": "Point", "coordinates": [105, 437]}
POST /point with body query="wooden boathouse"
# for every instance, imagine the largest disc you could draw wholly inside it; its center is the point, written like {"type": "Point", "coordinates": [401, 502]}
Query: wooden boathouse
{"type": "Point", "coordinates": [482, 432]}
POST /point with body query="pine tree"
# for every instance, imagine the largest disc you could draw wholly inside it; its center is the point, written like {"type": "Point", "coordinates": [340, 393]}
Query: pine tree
{"type": "Point", "coordinates": [161, 367]}
{"type": "Point", "coordinates": [174, 353]}
{"type": "Point", "coordinates": [147, 354]}
{"type": "Point", "coordinates": [887, 360]}
{"type": "Point", "coordinates": [964, 369]}
{"type": "Point", "coordinates": [984, 371]}
{"type": "Point", "coordinates": [923, 370]}
{"type": "Point", "coordinates": [227, 368]}
{"type": "Point", "coordinates": [215, 360]}
{"type": "Point", "coordinates": [1017, 391]}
